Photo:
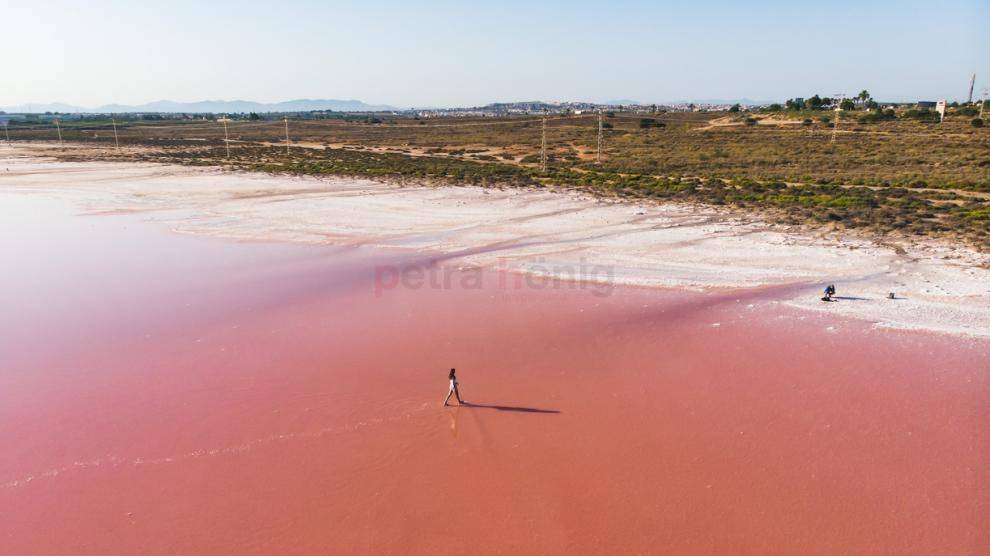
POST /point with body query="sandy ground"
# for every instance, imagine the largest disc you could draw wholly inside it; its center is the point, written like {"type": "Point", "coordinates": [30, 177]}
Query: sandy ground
{"type": "Point", "coordinates": [938, 287]}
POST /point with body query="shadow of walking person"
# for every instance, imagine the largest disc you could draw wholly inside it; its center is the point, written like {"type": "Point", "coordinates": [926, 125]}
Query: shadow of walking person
{"type": "Point", "coordinates": [509, 408]}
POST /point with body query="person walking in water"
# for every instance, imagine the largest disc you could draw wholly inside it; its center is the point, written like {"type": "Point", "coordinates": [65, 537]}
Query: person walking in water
{"type": "Point", "coordinates": [452, 376]}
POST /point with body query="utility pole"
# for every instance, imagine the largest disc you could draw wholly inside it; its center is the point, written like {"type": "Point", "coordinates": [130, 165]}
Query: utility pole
{"type": "Point", "coordinates": [286, 135]}
{"type": "Point", "coordinates": [839, 97]}
{"type": "Point", "coordinates": [983, 101]}
{"type": "Point", "coordinates": [59, 129]}
{"type": "Point", "coordinates": [598, 158]}
{"type": "Point", "coordinates": [972, 83]}
{"type": "Point", "coordinates": [543, 144]}
{"type": "Point", "coordinates": [226, 137]}
{"type": "Point", "coordinates": [6, 132]}
{"type": "Point", "coordinates": [116, 140]}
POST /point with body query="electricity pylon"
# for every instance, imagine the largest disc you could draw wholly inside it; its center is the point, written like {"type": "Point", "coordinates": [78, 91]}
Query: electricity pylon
{"type": "Point", "coordinates": [598, 157]}
{"type": "Point", "coordinates": [543, 143]}
{"type": "Point", "coordinates": [226, 137]}
{"type": "Point", "coordinates": [839, 97]}
{"type": "Point", "coordinates": [286, 135]}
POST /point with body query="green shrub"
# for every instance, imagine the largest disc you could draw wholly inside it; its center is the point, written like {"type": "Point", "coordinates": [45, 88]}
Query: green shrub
{"type": "Point", "coordinates": [922, 114]}
{"type": "Point", "coordinates": [646, 123]}
{"type": "Point", "coordinates": [878, 116]}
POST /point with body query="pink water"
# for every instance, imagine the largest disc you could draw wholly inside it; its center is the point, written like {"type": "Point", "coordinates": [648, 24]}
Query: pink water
{"type": "Point", "coordinates": [162, 393]}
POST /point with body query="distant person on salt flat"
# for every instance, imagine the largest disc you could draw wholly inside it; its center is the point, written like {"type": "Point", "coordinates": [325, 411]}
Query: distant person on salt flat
{"type": "Point", "coordinates": [829, 292]}
{"type": "Point", "coordinates": [452, 376]}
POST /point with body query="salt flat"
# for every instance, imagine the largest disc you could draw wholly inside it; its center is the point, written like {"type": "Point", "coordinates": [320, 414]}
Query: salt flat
{"type": "Point", "coordinates": [938, 287]}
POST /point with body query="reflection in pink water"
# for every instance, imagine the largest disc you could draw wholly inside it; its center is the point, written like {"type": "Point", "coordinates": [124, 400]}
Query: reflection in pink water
{"type": "Point", "coordinates": [162, 393]}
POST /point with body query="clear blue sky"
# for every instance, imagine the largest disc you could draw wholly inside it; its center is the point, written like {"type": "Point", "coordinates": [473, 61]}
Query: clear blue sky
{"type": "Point", "coordinates": [454, 53]}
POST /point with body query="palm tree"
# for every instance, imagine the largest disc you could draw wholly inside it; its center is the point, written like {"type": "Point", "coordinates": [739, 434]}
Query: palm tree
{"type": "Point", "coordinates": [863, 96]}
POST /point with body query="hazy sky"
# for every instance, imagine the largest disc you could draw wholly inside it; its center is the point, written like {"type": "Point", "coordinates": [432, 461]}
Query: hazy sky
{"type": "Point", "coordinates": [457, 53]}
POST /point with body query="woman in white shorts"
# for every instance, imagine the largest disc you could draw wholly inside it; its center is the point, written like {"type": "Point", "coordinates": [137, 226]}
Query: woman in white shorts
{"type": "Point", "coordinates": [453, 388]}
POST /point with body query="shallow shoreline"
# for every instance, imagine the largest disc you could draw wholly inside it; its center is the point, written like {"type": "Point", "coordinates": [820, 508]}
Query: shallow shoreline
{"type": "Point", "coordinates": [938, 287]}
{"type": "Point", "coordinates": [164, 391]}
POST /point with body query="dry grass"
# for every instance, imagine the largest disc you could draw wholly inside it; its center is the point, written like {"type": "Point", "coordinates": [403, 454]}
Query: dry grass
{"type": "Point", "coordinates": [902, 177]}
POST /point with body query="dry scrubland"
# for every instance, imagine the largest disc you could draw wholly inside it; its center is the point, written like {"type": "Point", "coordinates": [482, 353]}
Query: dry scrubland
{"type": "Point", "coordinates": [901, 179]}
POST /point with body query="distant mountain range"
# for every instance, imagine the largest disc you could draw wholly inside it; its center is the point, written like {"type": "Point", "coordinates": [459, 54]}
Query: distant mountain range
{"type": "Point", "coordinates": [302, 105]}
{"type": "Point", "coordinates": [208, 106]}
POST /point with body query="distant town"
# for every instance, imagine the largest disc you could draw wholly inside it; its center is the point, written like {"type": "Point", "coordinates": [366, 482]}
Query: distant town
{"type": "Point", "coordinates": [209, 110]}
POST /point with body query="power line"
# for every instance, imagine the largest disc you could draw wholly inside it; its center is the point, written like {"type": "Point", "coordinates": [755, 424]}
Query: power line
{"type": "Point", "coordinates": [333, 123]}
